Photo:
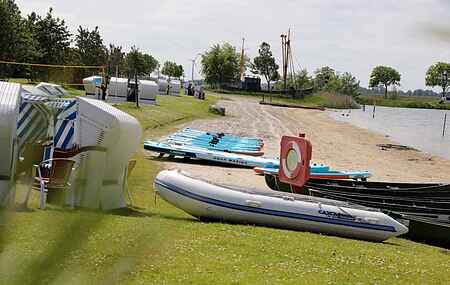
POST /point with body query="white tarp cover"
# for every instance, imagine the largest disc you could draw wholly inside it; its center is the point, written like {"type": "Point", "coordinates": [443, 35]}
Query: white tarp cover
{"type": "Point", "coordinates": [100, 179]}
{"type": "Point", "coordinates": [52, 89]}
{"type": "Point", "coordinates": [118, 87]}
{"type": "Point", "coordinates": [175, 86]}
{"type": "Point", "coordinates": [9, 111]}
{"type": "Point", "coordinates": [162, 86]}
{"type": "Point", "coordinates": [148, 90]}
{"type": "Point", "coordinates": [31, 89]}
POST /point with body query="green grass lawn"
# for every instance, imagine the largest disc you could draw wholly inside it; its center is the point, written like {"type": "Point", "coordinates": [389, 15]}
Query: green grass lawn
{"type": "Point", "coordinates": [155, 243]}
{"type": "Point", "coordinates": [74, 92]}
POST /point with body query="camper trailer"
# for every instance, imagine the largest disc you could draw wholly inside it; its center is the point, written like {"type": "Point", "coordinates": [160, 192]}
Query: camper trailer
{"type": "Point", "coordinates": [9, 110]}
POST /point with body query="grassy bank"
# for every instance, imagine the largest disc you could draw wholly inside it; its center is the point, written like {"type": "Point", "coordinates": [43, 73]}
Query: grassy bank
{"type": "Point", "coordinates": [155, 243]}
{"type": "Point", "coordinates": [422, 102]}
{"type": "Point", "coordinates": [320, 99]}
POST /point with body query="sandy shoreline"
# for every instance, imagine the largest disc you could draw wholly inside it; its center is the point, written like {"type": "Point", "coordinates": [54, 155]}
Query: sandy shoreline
{"type": "Point", "coordinates": [338, 144]}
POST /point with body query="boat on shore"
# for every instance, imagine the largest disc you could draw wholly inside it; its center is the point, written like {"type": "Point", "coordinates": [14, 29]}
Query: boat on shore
{"type": "Point", "coordinates": [207, 201]}
{"type": "Point", "coordinates": [428, 200]}
{"type": "Point", "coordinates": [424, 207]}
{"type": "Point", "coordinates": [321, 173]}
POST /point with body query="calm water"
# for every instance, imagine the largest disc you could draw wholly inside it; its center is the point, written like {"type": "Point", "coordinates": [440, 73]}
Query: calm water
{"type": "Point", "coordinates": [418, 128]}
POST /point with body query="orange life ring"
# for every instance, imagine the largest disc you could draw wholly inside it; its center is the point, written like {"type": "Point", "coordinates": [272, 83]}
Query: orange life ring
{"type": "Point", "coordinates": [295, 160]}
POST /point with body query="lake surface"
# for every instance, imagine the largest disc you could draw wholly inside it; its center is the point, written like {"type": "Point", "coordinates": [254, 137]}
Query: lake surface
{"type": "Point", "coordinates": [418, 128]}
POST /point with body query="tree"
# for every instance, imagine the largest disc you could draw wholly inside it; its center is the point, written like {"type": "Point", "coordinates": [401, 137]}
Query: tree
{"type": "Point", "coordinates": [301, 79]}
{"type": "Point", "coordinates": [323, 76]}
{"type": "Point", "coordinates": [116, 59]}
{"type": "Point", "coordinates": [384, 75]}
{"type": "Point", "coordinates": [53, 37]}
{"type": "Point", "coordinates": [17, 42]}
{"type": "Point", "coordinates": [10, 23]}
{"type": "Point", "coordinates": [90, 47]}
{"type": "Point", "coordinates": [439, 75]}
{"type": "Point", "coordinates": [171, 69]}
{"type": "Point", "coordinates": [220, 65]}
{"type": "Point", "coordinates": [150, 63]}
{"type": "Point", "coordinates": [135, 64]}
{"type": "Point", "coordinates": [347, 84]}
{"type": "Point", "coordinates": [265, 64]}
{"type": "Point", "coordinates": [180, 72]}
{"type": "Point", "coordinates": [139, 63]}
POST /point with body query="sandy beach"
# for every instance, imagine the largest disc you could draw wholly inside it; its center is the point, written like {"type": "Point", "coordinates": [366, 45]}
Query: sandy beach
{"type": "Point", "coordinates": [338, 144]}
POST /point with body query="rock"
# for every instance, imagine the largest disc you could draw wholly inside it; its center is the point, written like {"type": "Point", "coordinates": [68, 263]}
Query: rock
{"type": "Point", "coordinates": [215, 109]}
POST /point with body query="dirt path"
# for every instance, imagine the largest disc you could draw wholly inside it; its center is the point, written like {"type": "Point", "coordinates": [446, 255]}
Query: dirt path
{"type": "Point", "coordinates": [338, 144]}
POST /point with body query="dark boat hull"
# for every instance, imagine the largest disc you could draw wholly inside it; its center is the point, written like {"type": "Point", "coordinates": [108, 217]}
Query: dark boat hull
{"type": "Point", "coordinates": [417, 190]}
{"type": "Point", "coordinates": [424, 207]}
{"type": "Point", "coordinates": [427, 231]}
{"type": "Point", "coordinates": [431, 200]}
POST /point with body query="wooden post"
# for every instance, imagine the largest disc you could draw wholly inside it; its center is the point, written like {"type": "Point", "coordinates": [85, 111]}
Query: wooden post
{"type": "Point", "coordinates": [136, 89]}
{"type": "Point", "coordinates": [445, 121]}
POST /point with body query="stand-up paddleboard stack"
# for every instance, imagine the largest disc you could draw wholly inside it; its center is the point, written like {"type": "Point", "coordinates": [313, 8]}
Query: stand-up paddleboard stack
{"type": "Point", "coordinates": [234, 150]}
{"type": "Point", "coordinates": [219, 156]}
{"type": "Point", "coordinates": [218, 141]}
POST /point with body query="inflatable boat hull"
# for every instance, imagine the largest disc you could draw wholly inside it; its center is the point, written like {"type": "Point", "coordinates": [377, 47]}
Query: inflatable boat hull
{"type": "Point", "coordinates": [204, 200]}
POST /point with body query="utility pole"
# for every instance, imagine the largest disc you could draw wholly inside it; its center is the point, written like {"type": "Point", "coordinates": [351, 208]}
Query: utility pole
{"type": "Point", "coordinates": [445, 80]}
{"type": "Point", "coordinates": [288, 55]}
{"type": "Point", "coordinates": [192, 71]}
{"type": "Point", "coordinates": [285, 50]}
{"type": "Point", "coordinates": [193, 65]}
{"type": "Point", "coordinates": [242, 60]}
{"type": "Point", "coordinates": [136, 89]}
{"type": "Point", "coordinates": [283, 59]}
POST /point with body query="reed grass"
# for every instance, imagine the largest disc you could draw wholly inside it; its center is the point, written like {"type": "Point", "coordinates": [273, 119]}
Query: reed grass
{"type": "Point", "coordinates": [319, 99]}
{"type": "Point", "coordinates": [422, 102]}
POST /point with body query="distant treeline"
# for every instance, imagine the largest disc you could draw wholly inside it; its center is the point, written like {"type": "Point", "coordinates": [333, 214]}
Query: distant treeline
{"type": "Point", "coordinates": [380, 91]}
{"type": "Point", "coordinates": [222, 66]}
{"type": "Point", "coordinates": [47, 40]}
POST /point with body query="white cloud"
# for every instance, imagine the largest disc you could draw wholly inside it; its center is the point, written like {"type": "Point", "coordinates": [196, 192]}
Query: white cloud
{"type": "Point", "coordinates": [349, 35]}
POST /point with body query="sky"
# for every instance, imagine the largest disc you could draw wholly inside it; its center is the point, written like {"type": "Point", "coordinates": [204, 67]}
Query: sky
{"type": "Point", "coordinates": [348, 35]}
